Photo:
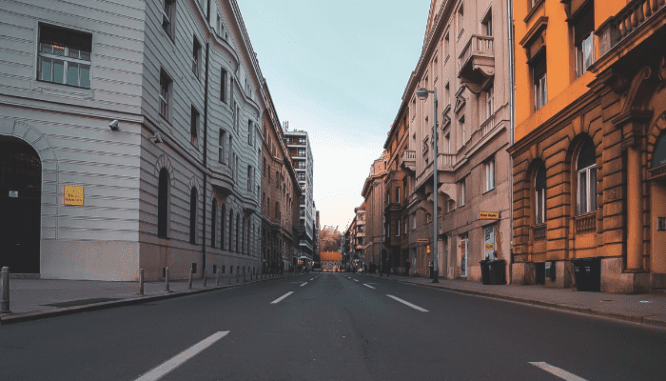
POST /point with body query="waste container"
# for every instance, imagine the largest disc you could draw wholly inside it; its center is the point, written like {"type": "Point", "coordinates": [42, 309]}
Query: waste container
{"type": "Point", "coordinates": [588, 273]}
{"type": "Point", "coordinates": [497, 271]}
{"type": "Point", "coordinates": [485, 273]}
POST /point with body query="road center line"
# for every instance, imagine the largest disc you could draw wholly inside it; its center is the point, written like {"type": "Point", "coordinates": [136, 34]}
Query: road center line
{"type": "Point", "coordinates": [304, 284]}
{"type": "Point", "coordinates": [369, 286]}
{"type": "Point", "coordinates": [181, 358]}
{"type": "Point", "coordinates": [278, 300]}
{"type": "Point", "coordinates": [414, 306]}
{"type": "Point", "coordinates": [559, 372]}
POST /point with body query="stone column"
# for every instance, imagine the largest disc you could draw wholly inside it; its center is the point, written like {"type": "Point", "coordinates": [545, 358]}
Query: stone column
{"type": "Point", "coordinates": [634, 211]}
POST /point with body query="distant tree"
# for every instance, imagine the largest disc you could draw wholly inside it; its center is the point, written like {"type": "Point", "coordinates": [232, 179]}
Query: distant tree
{"type": "Point", "coordinates": [329, 238]}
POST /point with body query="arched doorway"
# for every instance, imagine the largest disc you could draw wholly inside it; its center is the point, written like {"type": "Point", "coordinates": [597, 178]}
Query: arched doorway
{"type": "Point", "coordinates": [658, 210]}
{"type": "Point", "coordinates": [20, 203]}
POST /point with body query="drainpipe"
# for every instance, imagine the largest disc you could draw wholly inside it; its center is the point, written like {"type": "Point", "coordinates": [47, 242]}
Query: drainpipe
{"type": "Point", "coordinates": [512, 123]}
{"type": "Point", "coordinates": [205, 159]}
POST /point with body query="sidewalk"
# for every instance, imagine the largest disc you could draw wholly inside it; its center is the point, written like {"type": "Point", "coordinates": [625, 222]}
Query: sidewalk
{"type": "Point", "coordinates": [32, 299]}
{"type": "Point", "coordinates": [648, 309]}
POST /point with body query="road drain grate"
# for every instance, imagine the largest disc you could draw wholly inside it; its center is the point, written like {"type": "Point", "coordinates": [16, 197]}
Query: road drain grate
{"type": "Point", "coordinates": [81, 302]}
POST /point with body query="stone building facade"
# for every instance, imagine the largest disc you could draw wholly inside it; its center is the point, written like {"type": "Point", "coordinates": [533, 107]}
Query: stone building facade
{"type": "Point", "coordinates": [590, 149]}
{"type": "Point", "coordinates": [133, 132]}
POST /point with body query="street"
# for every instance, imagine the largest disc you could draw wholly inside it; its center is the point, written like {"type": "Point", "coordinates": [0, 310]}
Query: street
{"type": "Point", "coordinates": [330, 326]}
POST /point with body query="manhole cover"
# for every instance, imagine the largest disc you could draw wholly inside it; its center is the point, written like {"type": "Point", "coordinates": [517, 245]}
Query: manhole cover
{"type": "Point", "coordinates": [82, 302]}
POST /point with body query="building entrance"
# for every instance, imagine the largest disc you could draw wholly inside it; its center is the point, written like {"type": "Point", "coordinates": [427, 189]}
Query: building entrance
{"type": "Point", "coordinates": [20, 206]}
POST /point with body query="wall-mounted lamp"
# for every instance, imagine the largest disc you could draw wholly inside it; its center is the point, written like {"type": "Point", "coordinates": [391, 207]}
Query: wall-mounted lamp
{"type": "Point", "coordinates": [114, 125]}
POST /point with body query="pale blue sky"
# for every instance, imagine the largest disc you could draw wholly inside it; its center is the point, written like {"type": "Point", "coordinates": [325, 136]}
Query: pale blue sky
{"type": "Point", "coordinates": [337, 70]}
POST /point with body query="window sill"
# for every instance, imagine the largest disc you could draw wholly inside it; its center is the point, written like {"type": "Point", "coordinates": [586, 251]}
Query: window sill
{"type": "Point", "coordinates": [63, 89]}
{"type": "Point", "coordinates": [533, 10]}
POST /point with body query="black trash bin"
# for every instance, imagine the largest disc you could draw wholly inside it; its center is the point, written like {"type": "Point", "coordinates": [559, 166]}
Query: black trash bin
{"type": "Point", "coordinates": [588, 273]}
{"type": "Point", "coordinates": [497, 271]}
{"type": "Point", "coordinates": [485, 272]}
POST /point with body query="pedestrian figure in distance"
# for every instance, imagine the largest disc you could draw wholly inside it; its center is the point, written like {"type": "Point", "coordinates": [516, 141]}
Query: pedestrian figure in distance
{"type": "Point", "coordinates": [431, 267]}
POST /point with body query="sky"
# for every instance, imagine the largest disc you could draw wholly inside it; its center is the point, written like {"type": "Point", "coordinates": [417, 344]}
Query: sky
{"type": "Point", "coordinates": [338, 71]}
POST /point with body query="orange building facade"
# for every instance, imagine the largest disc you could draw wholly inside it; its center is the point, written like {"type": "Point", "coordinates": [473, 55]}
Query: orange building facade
{"type": "Point", "coordinates": [589, 159]}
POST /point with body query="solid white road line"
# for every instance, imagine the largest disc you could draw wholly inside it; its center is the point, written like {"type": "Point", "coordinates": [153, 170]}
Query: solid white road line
{"type": "Point", "coordinates": [369, 286]}
{"type": "Point", "coordinates": [559, 372]}
{"type": "Point", "coordinates": [181, 358]}
{"type": "Point", "coordinates": [304, 284]}
{"type": "Point", "coordinates": [414, 306]}
{"type": "Point", "coordinates": [278, 300]}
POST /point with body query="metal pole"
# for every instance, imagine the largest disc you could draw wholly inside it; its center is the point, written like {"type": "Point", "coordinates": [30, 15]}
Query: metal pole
{"type": "Point", "coordinates": [140, 281]}
{"type": "Point", "coordinates": [205, 278]}
{"type": "Point", "coordinates": [189, 280]}
{"type": "Point", "coordinates": [4, 305]}
{"type": "Point", "coordinates": [166, 279]}
{"type": "Point", "coordinates": [435, 278]}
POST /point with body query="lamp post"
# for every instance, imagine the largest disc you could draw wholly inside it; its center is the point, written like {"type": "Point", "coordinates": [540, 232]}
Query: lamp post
{"type": "Point", "coordinates": [422, 94]}
{"type": "Point", "coordinates": [381, 232]}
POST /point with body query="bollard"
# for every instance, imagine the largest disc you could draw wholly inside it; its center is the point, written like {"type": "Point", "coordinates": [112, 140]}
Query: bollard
{"type": "Point", "coordinates": [140, 281]}
{"type": "Point", "coordinates": [205, 278]}
{"type": "Point", "coordinates": [166, 279]}
{"type": "Point", "coordinates": [217, 277]}
{"type": "Point", "coordinates": [189, 280]}
{"type": "Point", "coordinates": [4, 304]}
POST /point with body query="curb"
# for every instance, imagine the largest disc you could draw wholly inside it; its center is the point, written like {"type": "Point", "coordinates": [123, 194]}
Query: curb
{"type": "Point", "coordinates": [37, 315]}
{"type": "Point", "coordinates": [631, 317]}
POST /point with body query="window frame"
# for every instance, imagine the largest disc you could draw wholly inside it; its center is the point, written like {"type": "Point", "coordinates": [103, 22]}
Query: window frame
{"type": "Point", "coordinates": [196, 56]}
{"type": "Point", "coordinates": [489, 175]}
{"type": "Point", "coordinates": [66, 58]}
{"type": "Point", "coordinates": [169, 18]}
{"type": "Point", "coordinates": [220, 149]}
{"type": "Point", "coordinates": [195, 120]}
{"type": "Point", "coordinates": [540, 197]}
{"type": "Point", "coordinates": [462, 192]}
{"type": "Point", "coordinates": [165, 95]}
{"type": "Point", "coordinates": [586, 179]}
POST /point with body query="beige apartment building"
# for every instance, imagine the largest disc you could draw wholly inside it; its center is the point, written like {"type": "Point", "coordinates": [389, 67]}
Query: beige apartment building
{"type": "Point", "coordinates": [465, 60]}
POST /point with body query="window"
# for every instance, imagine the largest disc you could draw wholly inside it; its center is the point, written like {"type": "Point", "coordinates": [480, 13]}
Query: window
{"type": "Point", "coordinates": [488, 24]}
{"type": "Point", "coordinates": [237, 118]}
{"type": "Point", "coordinates": [64, 56]}
{"type": "Point", "coordinates": [168, 17]}
{"type": "Point", "coordinates": [250, 178]}
{"type": "Point", "coordinates": [193, 215]}
{"type": "Point", "coordinates": [462, 192]}
{"type": "Point", "coordinates": [220, 27]}
{"type": "Point", "coordinates": [461, 20]}
{"type": "Point", "coordinates": [194, 125]}
{"type": "Point", "coordinates": [540, 196]}
{"type": "Point", "coordinates": [540, 83]}
{"type": "Point", "coordinates": [583, 26]}
{"type": "Point", "coordinates": [446, 46]}
{"type": "Point", "coordinates": [301, 140]}
{"type": "Point", "coordinates": [213, 222]}
{"type": "Point", "coordinates": [587, 178]}
{"type": "Point", "coordinates": [236, 165]}
{"type": "Point", "coordinates": [301, 152]}
{"type": "Point", "coordinates": [230, 151]}
{"type": "Point", "coordinates": [447, 94]}
{"type": "Point", "coordinates": [463, 133]}
{"type": "Point", "coordinates": [397, 195]}
{"type": "Point", "coordinates": [489, 170]}
{"type": "Point", "coordinates": [250, 135]}
{"type": "Point", "coordinates": [163, 203]}
{"type": "Point", "coordinates": [223, 85]}
{"type": "Point", "coordinates": [220, 147]}
{"type": "Point", "coordinates": [301, 176]}
{"type": "Point", "coordinates": [405, 225]}
{"type": "Point", "coordinates": [397, 228]}
{"type": "Point", "coordinates": [490, 101]}
{"type": "Point", "coordinates": [277, 210]}
{"type": "Point", "coordinates": [223, 227]}
{"type": "Point", "coordinates": [165, 94]}
{"type": "Point", "coordinates": [414, 221]}
{"type": "Point", "coordinates": [237, 232]}
{"type": "Point", "coordinates": [196, 56]}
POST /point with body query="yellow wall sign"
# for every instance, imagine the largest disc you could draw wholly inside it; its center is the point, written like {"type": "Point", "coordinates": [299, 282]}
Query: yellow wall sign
{"type": "Point", "coordinates": [422, 240]}
{"type": "Point", "coordinates": [490, 246]}
{"type": "Point", "coordinates": [488, 215]}
{"type": "Point", "coordinates": [73, 195]}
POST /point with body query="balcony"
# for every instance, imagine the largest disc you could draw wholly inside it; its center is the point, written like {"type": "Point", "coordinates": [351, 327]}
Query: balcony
{"type": "Point", "coordinates": [632, 17]}
{"type": "Point", "coordinates": [408, 160]}
{"type": "Point", "coordinates": [446, 161]}
{"type": "Point", "coordinates": [476, 62]}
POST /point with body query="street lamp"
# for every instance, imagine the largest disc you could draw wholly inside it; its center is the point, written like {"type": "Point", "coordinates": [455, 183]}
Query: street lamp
{"type": "Point", "coordinates": [422, 94]}
{"type": "Point", "coordinates": [381, 232]}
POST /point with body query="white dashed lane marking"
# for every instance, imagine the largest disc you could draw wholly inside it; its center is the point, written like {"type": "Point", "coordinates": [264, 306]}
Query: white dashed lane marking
{"type": "Point", "coordinates": [278, 300]}
{"type": "Point", "coordinates": [414, 306]}
{"type": "Point", "coordinates": [369, 286]}
{"type": "Point", "coordinates": [559, 372]}
{"type": "Point", "coordinates": [304, 284]}
{"type": "Point", "coordinates": [182, 357]}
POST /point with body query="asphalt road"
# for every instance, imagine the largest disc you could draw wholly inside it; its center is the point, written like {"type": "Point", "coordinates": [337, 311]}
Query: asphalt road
{"type": "Point", "coordinates": [327, 326]}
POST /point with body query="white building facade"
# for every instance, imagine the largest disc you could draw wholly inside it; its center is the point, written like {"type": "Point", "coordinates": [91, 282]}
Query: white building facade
{"type": "Point", "coordinates": [130, 139]}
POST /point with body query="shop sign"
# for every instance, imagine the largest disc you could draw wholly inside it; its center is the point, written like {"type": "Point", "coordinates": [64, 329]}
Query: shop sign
{"type": "Point", "coordinates": [490, 246]}
{"type": "Point", "coordinates": [488, 215]}
{"type": "Point", "coordinates": [422, 240]}
{"type": "Point", "coordinates": [73, 195]}
{"type": "Point", "coordinates": [13, 194]}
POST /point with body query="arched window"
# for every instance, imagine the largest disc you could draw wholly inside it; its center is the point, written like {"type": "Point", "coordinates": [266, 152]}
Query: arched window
{"type": "Point", "coordinates": [587, 178]}
{"type": "Point", "coordinates": [223, 216]}
{"type": "Point", "coordinates": [163, 203]}
{"type": "Point", "coordinates": [213, 221]}
{"type": "Point", "coordinates": [193, 215]}
{"type": "Point", "coordinates": [237, 230]}
{"type": "Point", "coordinates": [540, 195]}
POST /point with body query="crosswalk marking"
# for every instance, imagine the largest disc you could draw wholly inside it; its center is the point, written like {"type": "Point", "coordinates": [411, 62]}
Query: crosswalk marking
{"type": "Point", "coordinates": [181, 358]}
{"type": "Point", "coordinates": [278, 300]}
{"type": "Point", "coordinates": [559, 372]}
{"type": "Point", "coordinates": [414, 306]}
